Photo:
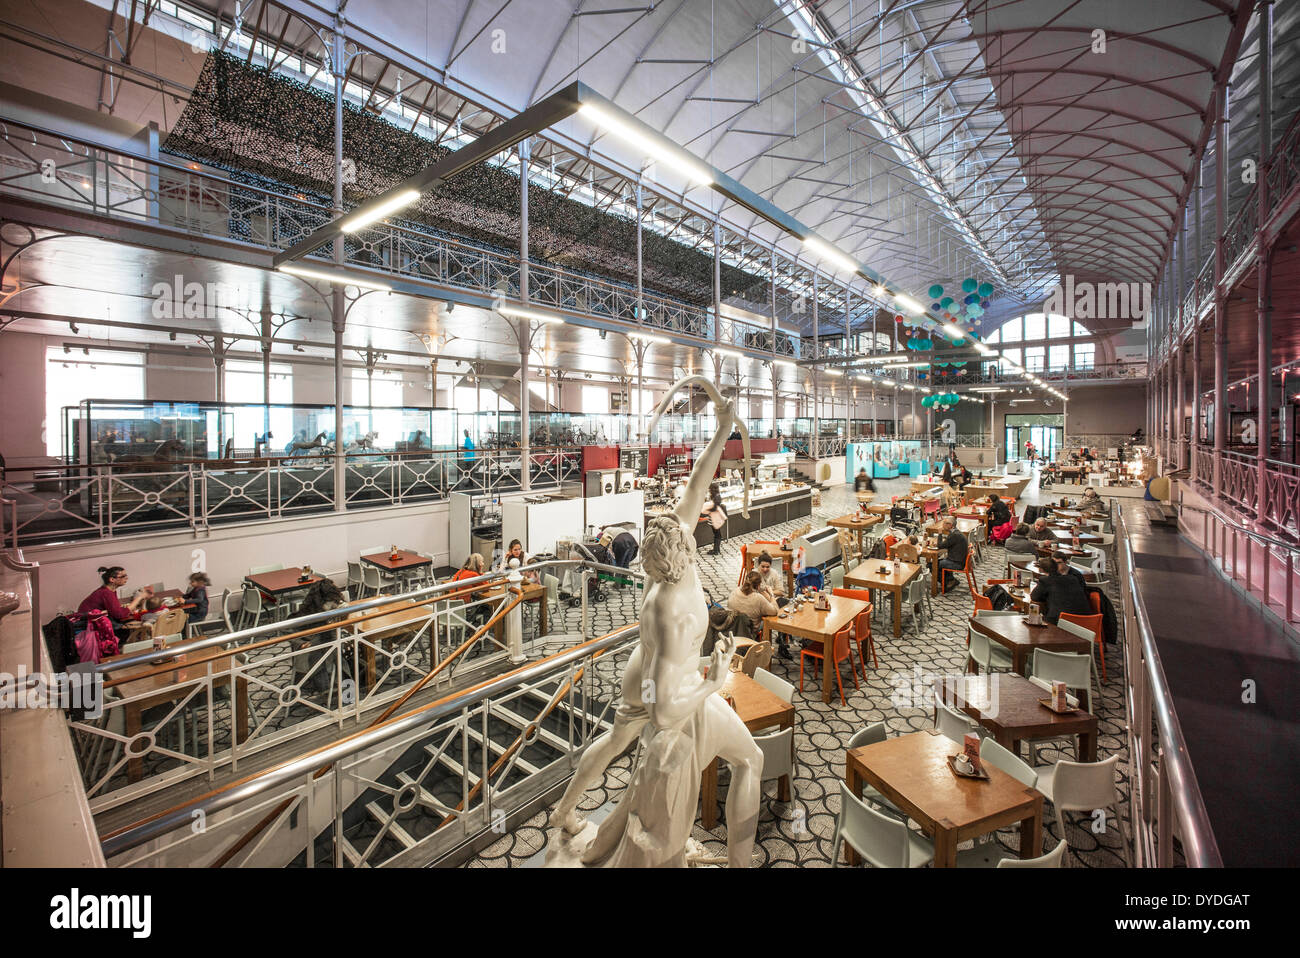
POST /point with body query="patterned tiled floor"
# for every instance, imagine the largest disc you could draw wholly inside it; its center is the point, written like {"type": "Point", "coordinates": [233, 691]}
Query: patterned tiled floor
{"type": "Point", "coordinates": [800, 833]}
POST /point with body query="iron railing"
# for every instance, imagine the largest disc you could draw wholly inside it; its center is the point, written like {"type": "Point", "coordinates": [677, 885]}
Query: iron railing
{"type": "Point", "coordinates": [412, 787]}
{"type": "Point", "coordinates": [1163, 785]}
{"type": "Point", "coordinates": [58, 503]}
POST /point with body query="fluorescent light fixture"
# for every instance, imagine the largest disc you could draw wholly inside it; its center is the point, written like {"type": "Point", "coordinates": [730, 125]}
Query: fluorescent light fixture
{"type": "Point", "coordinates": [519, 312]}
{"type": "Point", "coordinates": [334, 276]}
{"type": "Point", "coordinates": [730, 352]}
{"type": "Point", "coordinates": [988, 389]}
{"type": "Point", "coordinates": [677, 158]}
{"type": "Point", "coordinates": [830, 253]}
{"type": "Point", "coordinates": [864, 379]}
{"type": "Point", "coordinates": [363, 219]}
{"type": "Point", "coordinates": [834, 372]}
{"type": "Point", "coordinates": [983, 350]}
{"type": "Point", "coordinates": [956, 333]}
{"type": "Point", "coordinates": [909, 304]}
{"type": "Point", "coordinates": [889, 366]}
{"type": "Point", "coordinates": [651, 338]}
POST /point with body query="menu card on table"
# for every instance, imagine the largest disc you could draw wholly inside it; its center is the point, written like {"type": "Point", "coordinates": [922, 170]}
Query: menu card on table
{"type": "Point", "coordinates": [973, 749]}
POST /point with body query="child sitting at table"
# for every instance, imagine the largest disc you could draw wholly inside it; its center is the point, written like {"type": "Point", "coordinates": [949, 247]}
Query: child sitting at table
{"type": "Point", "coordinates": [197, 595]}
{"type": "Point", "coordinates": [908, 551]}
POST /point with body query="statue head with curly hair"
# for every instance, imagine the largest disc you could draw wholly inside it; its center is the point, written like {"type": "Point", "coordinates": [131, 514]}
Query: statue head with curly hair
{"type": "Point", "coordinates": [667, 550]}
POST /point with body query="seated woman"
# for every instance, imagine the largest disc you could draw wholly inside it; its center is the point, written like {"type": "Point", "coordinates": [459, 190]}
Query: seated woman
{"type": "Point", "coordinates": [751, 598]}
{"type": "Point", "coordinates": [105, 598]}
{"type": "Point", "coordinates": [473, 568]}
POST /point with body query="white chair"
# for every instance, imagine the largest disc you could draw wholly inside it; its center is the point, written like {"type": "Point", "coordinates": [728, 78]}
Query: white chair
{"type": "Point", "coordinates": [952, 723]}
{"type": "Point", "coordinates": [251, 607]}
{"type": "Point", "coordinates": [915, 595]}
{"type": "Point", "coordinates": [372, 578]}
{"type": "Point", "coordinates": [883, 841]}
{"type": "Point", "coordinates": [354, 577]}
{"type": "Point", "coordinates": [1075, 629]}
{"type": "Point", "coordinates": [986, 654]}
{"type": "Point", "coordinates": [1007, 761]}
{"type": "Point", "coordinates": [555, 608]}
{"type": "Point", "coordinates": [1053, 859]}
{"type": "Point", "coordinates": [214, 622]}
{"type": "Point", "coordinates": [778, 754]}
{"type": "Point", "coordinates": [836, 577]}
{"type": "Point", "coordinates": [774, 684]}
{"type": "Point", "coordinates": [1072, 668]}
{"type": "Point", "coordinates": [1084, 787]}
{"type": "Point", "coordinates": [225, 610]}
{"type": "Point", "coordinates": [873, 733]}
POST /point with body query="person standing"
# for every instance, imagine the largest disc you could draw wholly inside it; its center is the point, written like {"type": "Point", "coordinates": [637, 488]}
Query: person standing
{"type": "Point", "coordinates": [716, 513]}
{"type": "Point", "coordinates": [862, 482]}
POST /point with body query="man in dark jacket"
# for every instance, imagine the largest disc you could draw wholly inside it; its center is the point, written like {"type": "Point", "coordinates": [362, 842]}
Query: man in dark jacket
{"type": "Point", "coordinates": [862, 482]}
{"type": "Point", "coordinates": [1059, 591]}
{"type": "Point", "coordinates": [957, 546]}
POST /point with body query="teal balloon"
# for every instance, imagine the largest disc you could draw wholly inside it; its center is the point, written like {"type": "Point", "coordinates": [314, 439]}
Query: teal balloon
{"type": "Point", "coordinates": [975, 309]}
{"type": "Point", "coordinates": [936, 291]}
{"type": "Point", "coordinates": [946, 302]}
{"type": "Point", "coordinates": [969, 285]}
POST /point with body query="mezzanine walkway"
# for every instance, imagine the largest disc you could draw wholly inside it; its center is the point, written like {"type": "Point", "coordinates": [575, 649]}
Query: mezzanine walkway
{"type": "Point", "coordinates": [1246, 755]}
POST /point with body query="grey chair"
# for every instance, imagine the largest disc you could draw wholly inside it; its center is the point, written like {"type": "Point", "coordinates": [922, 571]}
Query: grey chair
{"type": "Point", "coordinates": [880, 839]}
{"type": "Point", "coordinates": [873, 733]}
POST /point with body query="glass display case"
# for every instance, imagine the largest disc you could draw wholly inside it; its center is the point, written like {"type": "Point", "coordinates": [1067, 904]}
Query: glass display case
{"type": "Point", "coordinates": [99, 432]}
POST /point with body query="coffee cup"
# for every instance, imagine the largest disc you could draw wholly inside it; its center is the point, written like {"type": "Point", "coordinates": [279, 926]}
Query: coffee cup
{"type": "Point", "coordinates": [963, 763]}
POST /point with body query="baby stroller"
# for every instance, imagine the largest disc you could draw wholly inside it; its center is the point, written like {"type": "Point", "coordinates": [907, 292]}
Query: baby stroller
{"type": "Point", "coordinates": [901, 517]}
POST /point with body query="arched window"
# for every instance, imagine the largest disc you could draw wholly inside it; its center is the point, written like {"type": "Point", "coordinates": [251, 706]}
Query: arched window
{"type": "Point", "coordinates": [1045, 342]}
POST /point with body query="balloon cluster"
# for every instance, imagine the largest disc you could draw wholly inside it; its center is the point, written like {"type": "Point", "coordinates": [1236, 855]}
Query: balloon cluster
{"type": "Point", "coordinates": [964, 310]}
{"type": "Point", "coordinates": [940, 401]}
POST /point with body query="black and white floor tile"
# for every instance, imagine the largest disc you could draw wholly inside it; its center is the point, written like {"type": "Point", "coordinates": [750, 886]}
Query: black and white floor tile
{"type": "Point", "coordinates": [800, 833]}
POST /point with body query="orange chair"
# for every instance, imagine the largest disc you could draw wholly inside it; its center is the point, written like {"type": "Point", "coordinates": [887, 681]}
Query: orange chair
{"type": "Point", "coordinates": [862, 626]}
{"type": "Point", "coordinates": [982, 604]}
{"type": "Point", "coordinates": [890, 542]}
{"type": "Point", "coordinates": [843, 650]}
{"type": "Point", "coordinates": [1094, 624]}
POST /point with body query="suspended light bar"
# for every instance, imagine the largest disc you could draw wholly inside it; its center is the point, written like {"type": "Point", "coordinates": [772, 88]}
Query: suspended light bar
{"type": "Point", "coordinates": [335, 276]}
{"type": "Point", "coordinates": [988, 389]}
{"type": "Point", "coordinates": [982, 349]}
{"type": "Point", "coordinates": [676, 158]}
{"type": "Point", "coordinates": [909, 304]}
{"type": "Point", "coordinates": [953, 332]}
{"type": "Point", "coordinates": [829, 253]}
{"type": "Point", "coordinates": [519, 312]}
{"type": "Point", "coordinates": [365, 217]}
{"type": "Point", "coordinates": [834, 372]}
{"type": "Point", "coordinates": [650, 338]}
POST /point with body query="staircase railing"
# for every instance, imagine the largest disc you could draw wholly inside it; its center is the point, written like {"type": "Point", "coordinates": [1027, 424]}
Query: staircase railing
{"type": "Point", "coordinates": [309, 796]}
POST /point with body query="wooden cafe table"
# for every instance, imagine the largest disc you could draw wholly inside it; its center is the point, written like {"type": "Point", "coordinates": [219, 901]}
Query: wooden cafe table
{"type": "Point", "coordinates": [1067, 535]}
{"type": "Point", "coordinates": [856, 522]}
{"type": "Point", "coordinates": [153, 685]}
{"type": "Point", "coordinates": [865, 576]}
{"type": "Point", "coordinates": [397, 563]}
{"type": "Point", "coordinates": [881, 509]}
{"type": "Point", "coordinates": [808, 623]}
{"type": "Point", "coordinates": [1009, 707]}
{"type": "Point", "coordinates": [1020, 638]}
{"type": "Point", "coordinates": [912, 772]}
{"type": "Point", "coordinates": [281, 581]}
{"type": "Point", "coordinates": [1026, 566]}
{"type": "Point", "coordinates": [759, 709]}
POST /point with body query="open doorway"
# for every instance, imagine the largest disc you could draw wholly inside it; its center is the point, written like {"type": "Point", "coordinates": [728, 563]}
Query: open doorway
{"type": "Point", "coordinates": [1045, 431]}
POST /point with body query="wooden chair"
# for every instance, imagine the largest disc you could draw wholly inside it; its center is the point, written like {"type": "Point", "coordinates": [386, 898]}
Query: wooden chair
{"type": "Point", "coordinates": [757, 656]}
{"type": "Point", "coordinates": [849, 555]}
{"type": "Point", "coordinates": [841, 650]}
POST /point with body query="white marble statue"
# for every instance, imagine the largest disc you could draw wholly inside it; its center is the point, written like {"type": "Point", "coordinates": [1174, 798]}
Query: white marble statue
{"type": "Point", "coordinates": [683, 722]}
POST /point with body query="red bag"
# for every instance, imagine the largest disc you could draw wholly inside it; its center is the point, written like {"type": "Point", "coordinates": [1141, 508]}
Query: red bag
{"type": "Point", "coordinates": [1003, 532]}
{"type": "Point", "coordinates": [97, 640]}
